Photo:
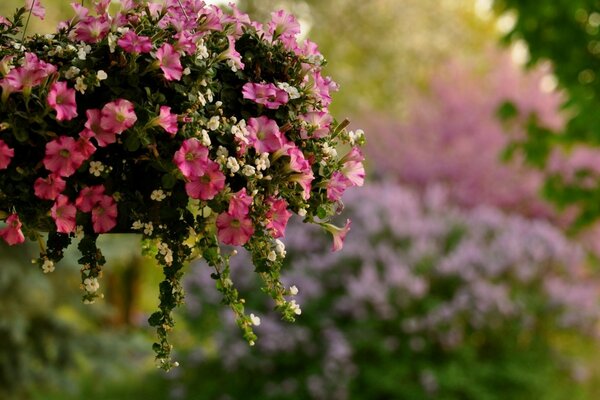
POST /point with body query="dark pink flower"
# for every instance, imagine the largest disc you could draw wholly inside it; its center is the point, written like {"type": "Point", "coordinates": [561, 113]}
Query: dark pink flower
{"type": "Point", "coordinates": [208, 185]}
{"type": "Point", "coordinates": [117, 116]}
{"type": "Point", "coordinates": [63, 156]}
{"type": "Point", "coordinates": [277, 217]}
{"type": "Point", "coordinates": [297, 161]}
{"type": "Point", "coordinates": [50, 187]}
{"type": "Point", "coordinates": [265, 93]}
{"type": "Point", "coordinates": [62, 99]}
{"type": "Point", "coordinates": [31, 74]}
{"type": "Point", "coordinates": [11, 233]}
{"type": "Point", "coordinates": [167, 120]}
{"type": "Point", "coordinates": [235, 58]}
{"type": "Point", "coordinates": [93, 129]}
{"type": "Point", "coordinates": [191, 158]}
{"type": "Point", "coordinates": [92, 29]}
{"type": "Point", "coordinates": [104, 214]}
{"type": "Point", "coordinates": [264, 134]}
{"type": "Point", "coordinates": [239, 204]}
{"type": "Point", "coordinates": [232, 230]}
{"type": "Point", "coordinates": [132, 43]}
{"type": "Point", "coordinates": [64, 212]}
{"type": "Point", "coordinates": [6, 154]}
{"type": "Point", "coordinates": [337, 185]}
{"type": "Point", "coordinates": [89, 197]}
{"type": "Point", "coordinates": [169, 61]}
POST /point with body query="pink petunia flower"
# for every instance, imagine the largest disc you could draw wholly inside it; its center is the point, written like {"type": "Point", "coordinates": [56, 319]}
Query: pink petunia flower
{"type": "Point", "coordinates": [89, 197]}
{"type": "Point", "coordinates": [62, 99]}
{"type": "Point", "coordinates": [235, 58]}
{"type": "Point", "coordinates": [208, 185]}
{"type": "Point", "coordinates": [265, 93]}
{"type": "Point", "coordinates": [264, 134]}
{"type": "Point", "coordinates": [277, 217]}
{"type": "Point", "coordinates": [304, 180]}
{"type": "Point", "coordinates": [104, 214]}
{"type": "Point", "coordinates": [239, 204]}
{"type": "Point", "coordinates": [169, 61]}
{"type": "Point", "coordinates": [337, 185]}
{"type": "Point", "coordinates": [117, 116]}
{"type": "Point", "coordinates": [32, 73]}
{"type": "Point", "coordinates": [49, 188]}
{"type": "Point", "coordinates": [167, 120]}
{"type": "Point", "coordinates": [132, 43]}
{"type": "Point", "coordinates": [92, 29]}
{"type": "Point", "coordinates": [6, 154]}
{"type": "Point", "coordinates": [191, 158]}
{"type": "Point", "coordinates": [93, 129]}
{"type": "Point", "coordinates": [63, 156]}
{"type": "Point", "coordinates": [12, 233]}
{"type": "Point", "coordinates": [64, 212]}
{"type": "Point", "coordinates": [232, 230]}
{"type": "Point", "coordinates": [283, 24]}
{"type": "Point", "coordinates": [36, 8]}
{"type": "Point", "coordinates": [297, 161]}
{"type": "Point", "coordinates": [355, 172]}
{"type": "Point", "coordinates": [339, 234]}
{"type": "Point", "coordinates": [318, 123]}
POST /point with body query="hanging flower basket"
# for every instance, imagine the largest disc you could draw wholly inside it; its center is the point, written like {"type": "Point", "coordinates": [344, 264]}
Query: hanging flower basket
{"type": "Point", "coordinates": [186, 123]}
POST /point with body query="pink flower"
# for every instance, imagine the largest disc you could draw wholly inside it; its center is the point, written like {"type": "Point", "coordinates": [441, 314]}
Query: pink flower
{"type": "Point", "coordinates": [283, 24]}
{"type": "Point", "coordinates": [6, 154]}
{"type": "Point", "coordinates": [117, 116]}
{"type": "Point", "coordinates": [132, 43]}
{"type": "Point", "coordinates": [186, 42]}
{"type": "Point", "coordinates": [355, 172]}
{"type": "Point", "coordinates": [297, 161]}
{"type": "Point", "coordinates": [89, 197]}
{"type": "Point", "coordinates": [62, 100]}
{"type": "Point", "coordinates": [167, 120]}
{"type": "Point", "coordinates": [191, 158]}
{"type": "Point", "coordinates": [102, 6]}
{"type": "Point", "coordinates": [304, 180]}
{"type": "Point", "coordinates": [85, 147]}
{"type": "Point", "coordinates": [232, 54]}
{"type": "Point", "coordinates": [93, 129]}
{"type": "Point", "coordinates": [104, 214]}
{"type": "Point", "coordinates": [12, 232]}
{"type": "Point", "coordinates": [339, 234]}
{"type": "Point", "coordinates": [239, 204]}
{"type": "Point", "coordinates": [92, 29]}
{"type": "Point", "coordinates": [264, 134]}
{"type": "Point", "coordinates": [63, 156]}
{"type": "Point", "coordinates": [36, 8]}
{"type": "Point", "coordinates": [50, 187]}
{"type": "Point", "coordinates": [31, 74]}
{"type": "Point", "coordinates": [169, 61]}
{"type": "Point", "coordinates": [318, 124]}
{"type": "Point", "coordinates": [233, 230]}
{"type": "Point", "coordinates": [337, 185]}
{"type": "Point", "coordinates": [265, 93]}
{"type": "Point", "coordinates": [208, 185]}
{"type": "Point", "coordinates": [277, 217]}
{"type": "Point", "coordinates": [63, 212]}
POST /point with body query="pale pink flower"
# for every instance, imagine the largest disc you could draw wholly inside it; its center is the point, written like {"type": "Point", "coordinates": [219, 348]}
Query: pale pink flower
{"type": "Point", "coordinates": [85, 147]}
{"type": "Point", "coordinates": [93, 129]}
{"type": "Point", "coordinates": [186, 42]}
{"type": "Point", "coordinates": [4, 21]}
{"type": "Point", "coordinates": [36, 8]}
{"type": "Point", "coordinates": [102, 6]}
{"type": "Point", "coordinates": [304, 180]}
{"type": "Point", "coordinates": [277, 217]}
{"type": "Point", "coordinates": [31, 74]}
{"type": "Point", "coordinates": [92, 29]}
{"type": "Point", "coordinates": [12, 233]}
{"type": "Point", "coordinates": [6, 154]}
{"type": "Point", "coordinates": [89, 197]}
{"type": "Point", "coordinates": [355, 154]}
{"type": "Point", "coordinates": [62, 99]}
{"type": "Point", "coordinates": [64, 212]}
{"type": "Point", "coordinates": [355, 172]}
{"type": "Point", "coordinates": [117, 116]}
{"type": "Point", "coordinates": [339, 234]}
{"type": "Point", "coordinates": [318, 124]}
{"type": "Point", "coordinates": [234, 231]}
{"type": "Point", "coordinates": [265, 93]}
{"type": "Point", "coordinates": [337, 185]}
{"type": "Point", "coordinates": [264, 134]}
{"type": "Point", "coordinates": [232, 54]}
{"type": "Point", "coordinates": [49, 188]}
{"type": "Point", "coordinates": [191, 158]}
{"type": "Point", "coordinates": [169, 61]}
{"type": "Point", "coordinates": [104, 214]}
{"type": "Point", "coordinates": [283, 24]}
{"type": "Point", "coordinates": [167, 120]}
{"type": "Point", "coordinates": [239, 204]}
{"type": "Point", "coordinates": [63, 156]}
{"type": "Point", "coordinates": [81, 12]}
{"type": "Point", "coordinates": [132, 43]}
{"type": "Point", "coordinates": [297, 161]}
{"type": "Point", "coordinates": [208, 185]}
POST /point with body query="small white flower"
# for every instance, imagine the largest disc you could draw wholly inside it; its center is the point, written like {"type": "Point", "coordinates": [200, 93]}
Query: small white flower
{"type": "Point", "coordinates": [201, 50]}
{"type": "Point", "coordinates": [112, 41]}
{"type": "Point", "coordinates": [292, 92]}
{"type": "Point", "coordinates": [47, 266]}
{"type": "Point", "coordinates": [222, 154]}
{"type": "Point", "coordinates": [187, 71]}
{"type": "Point", "coordinates": [91, 285]}
{"type": "Point", "coordinates": [280, 248]}
{"type": "Point", "coordinates": [96, 167]}
{"type": "Point", "coordinates": [293, 290]}
{"type": "Point", "coordinates": [209, 95]}
{"type": "Point", "coordinates": [80, 85]}
{"type": "Point", "coordinates": [233, 165]}
{"type": "Point", "coordinates": [356, 135]}
{"type": "Point", "coordinates": [295, 307]}
{"type": "Point", "coordinates": [72, 72]}
{"type": "Point", "coordinates": [158, 195]}
{"type": "Point", "coordinates": [262, 163]}
{"type": "Point", "coordinates": [272, 256]}
{"type": "Point", "coordinates": [101, 75]}
{"type": "Point", "coordinates": [148, 228]}
{"type": "Point", "coordinates": [206, 211]}
{"type": "Point", "coordinates": [302, 212]}
{"type": "Point", "coordinates": [204, 138]}
{"type": "Point", "coordinates": [214, 123]}
{"type": "Point", "coordinates": [329, 151]}
{"type": "Point", "coordinates": [255, 320]}
{"type": "Point", "coordinates": [82, 54]}
{"type": "Point", "coordinates": [248, 170]}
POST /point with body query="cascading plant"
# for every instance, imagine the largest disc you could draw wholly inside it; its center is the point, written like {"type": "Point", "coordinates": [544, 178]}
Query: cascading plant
{"type": "Point", "coordinates": [186, 123]}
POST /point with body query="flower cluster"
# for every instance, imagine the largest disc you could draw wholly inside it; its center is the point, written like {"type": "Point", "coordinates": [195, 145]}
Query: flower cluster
{"type": "Point", "coordinates": [187, 123]}
{"type": "Point", "coordinates": [423, 289]}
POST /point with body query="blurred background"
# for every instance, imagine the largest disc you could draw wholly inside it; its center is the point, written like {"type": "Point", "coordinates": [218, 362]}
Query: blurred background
{"type": "Point", "coordinates": [471, 271]}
